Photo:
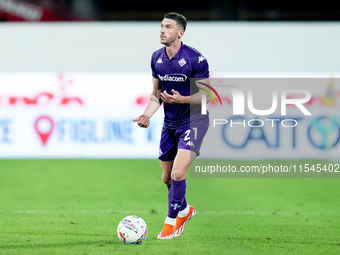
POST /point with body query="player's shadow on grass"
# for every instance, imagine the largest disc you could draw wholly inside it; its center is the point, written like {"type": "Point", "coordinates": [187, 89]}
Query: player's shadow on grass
{"type": "Point", "coordinates": [56, 245]}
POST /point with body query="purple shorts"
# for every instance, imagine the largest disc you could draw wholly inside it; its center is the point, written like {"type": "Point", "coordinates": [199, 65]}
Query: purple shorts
{"type": "Point", "coordinates": [189, 137]}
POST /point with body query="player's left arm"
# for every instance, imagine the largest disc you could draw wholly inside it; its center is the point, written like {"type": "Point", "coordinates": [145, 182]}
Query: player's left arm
{"type": "Point", "coordinates": [202, 90]}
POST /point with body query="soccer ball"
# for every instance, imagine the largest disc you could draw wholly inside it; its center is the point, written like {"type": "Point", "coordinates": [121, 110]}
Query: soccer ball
{"type": "Point", "coordinates": [132, 230]}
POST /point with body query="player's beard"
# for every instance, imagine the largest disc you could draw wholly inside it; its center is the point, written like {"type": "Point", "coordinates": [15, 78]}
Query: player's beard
{"type": "Point", "coordinates": [169, 40]}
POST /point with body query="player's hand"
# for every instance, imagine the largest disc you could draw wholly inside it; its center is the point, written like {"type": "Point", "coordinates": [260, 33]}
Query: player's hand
{"type": "Point", "coordinates": [175, 98]}
{"type": "Point", "coordinates": [142, 121]}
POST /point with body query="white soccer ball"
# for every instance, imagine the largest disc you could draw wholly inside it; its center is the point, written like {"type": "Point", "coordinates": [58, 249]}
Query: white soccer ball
{"type": "Point", "coordinates": [132, 230]}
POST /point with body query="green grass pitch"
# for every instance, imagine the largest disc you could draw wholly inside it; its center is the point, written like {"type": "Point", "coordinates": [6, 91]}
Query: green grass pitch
{"type": "Point", "coordinates": [74, 207]}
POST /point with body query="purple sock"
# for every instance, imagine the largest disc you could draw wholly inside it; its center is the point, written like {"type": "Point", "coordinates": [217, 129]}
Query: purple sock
{"type": "Point", "coordinates": [176, 197]}
{"type": "Point", "coordinates": [184, 203]}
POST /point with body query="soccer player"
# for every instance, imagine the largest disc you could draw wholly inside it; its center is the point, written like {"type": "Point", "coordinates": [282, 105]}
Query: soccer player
{"type": "Point", "coordinates": [173, 66]}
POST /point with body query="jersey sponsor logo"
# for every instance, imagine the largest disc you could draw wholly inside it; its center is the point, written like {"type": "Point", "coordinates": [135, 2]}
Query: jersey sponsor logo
{"type": "Point", "coordinates": [182, 62]}
{"type": "Point", "coordinates": [159, 61]}
{"type": "Point", "coordinates": [176, 77]}
{"type": "Point", "coordinates": [200, 59]}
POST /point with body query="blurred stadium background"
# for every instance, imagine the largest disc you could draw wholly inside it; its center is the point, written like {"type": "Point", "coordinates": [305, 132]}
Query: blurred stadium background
{"type": "Point", "coordinates": [103, 10]}
{"type": "Point", "coordinates": [73, 75]}
{"type": "Point", "coordinates": [75, 86]}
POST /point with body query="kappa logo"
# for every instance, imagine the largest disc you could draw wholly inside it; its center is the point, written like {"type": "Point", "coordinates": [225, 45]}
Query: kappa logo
{"type": "Point", "coordinates": [182, 62]}
{"type": "Point", "coordinates": [190, 143]}
{"type": "Point", "coordinates": [159, 61]}
{"type": "Point", "coordinates": [200, 59]}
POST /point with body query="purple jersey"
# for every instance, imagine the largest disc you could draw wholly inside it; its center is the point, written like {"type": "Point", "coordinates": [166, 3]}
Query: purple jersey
{"type": "Point", "coordinates": [175, 74]}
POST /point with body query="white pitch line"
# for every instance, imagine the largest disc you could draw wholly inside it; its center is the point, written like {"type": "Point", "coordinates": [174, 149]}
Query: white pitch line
{"type": "Point", "coordinates": [145, 212]}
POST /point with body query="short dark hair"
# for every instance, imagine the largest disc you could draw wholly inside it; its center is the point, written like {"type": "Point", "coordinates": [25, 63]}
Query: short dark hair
{"type": "Point", "coordinates": [179, 18]}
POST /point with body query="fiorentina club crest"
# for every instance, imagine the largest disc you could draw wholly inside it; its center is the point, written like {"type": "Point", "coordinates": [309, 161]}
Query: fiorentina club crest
{"type": "Point", "coordinates": [182, 62]}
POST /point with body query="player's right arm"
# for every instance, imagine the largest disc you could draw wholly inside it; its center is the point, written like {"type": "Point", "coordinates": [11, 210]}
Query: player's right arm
{"type": "Point", "coordinates": [153, 105]}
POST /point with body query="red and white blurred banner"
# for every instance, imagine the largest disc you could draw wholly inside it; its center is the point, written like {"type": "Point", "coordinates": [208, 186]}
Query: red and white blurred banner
{"type": "Point", "coordinates": [76, 115]}
{"type": "Point", "coordinates": [89, 115]}
{"type": "Point", "coordinates": [47, 10]}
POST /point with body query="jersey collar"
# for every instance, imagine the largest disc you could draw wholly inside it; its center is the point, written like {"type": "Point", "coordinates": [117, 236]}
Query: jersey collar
{"type": "Point", "coordinates": [178, 54]}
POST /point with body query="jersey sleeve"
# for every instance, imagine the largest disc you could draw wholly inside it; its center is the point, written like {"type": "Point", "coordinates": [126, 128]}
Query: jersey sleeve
{"type": "Point", "coordinates": [153, 69]}
{"type": "Point", "coordinates": [200, 67]}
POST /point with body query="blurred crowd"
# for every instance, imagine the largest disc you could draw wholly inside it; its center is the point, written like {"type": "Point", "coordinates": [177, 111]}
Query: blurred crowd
{"type": "Point", "coordinates": [106, 10]}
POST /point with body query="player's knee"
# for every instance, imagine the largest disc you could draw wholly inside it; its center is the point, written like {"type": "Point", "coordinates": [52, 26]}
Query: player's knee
{"type": "Point", "coordinates": [178, 174]}
{"type": "Point", "coordinates": [166, 179]}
